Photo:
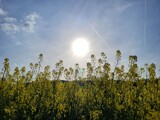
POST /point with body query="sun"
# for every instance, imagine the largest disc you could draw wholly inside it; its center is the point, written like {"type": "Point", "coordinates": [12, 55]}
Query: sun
{"type": "Point", "coordinates": [80, 47]}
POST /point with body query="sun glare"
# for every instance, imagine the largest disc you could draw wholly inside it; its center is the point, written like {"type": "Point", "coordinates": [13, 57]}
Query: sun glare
{"type": "Point", "coordinates": [80, 47]}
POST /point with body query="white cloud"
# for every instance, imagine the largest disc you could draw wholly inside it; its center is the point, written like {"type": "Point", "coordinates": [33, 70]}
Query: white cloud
{"type": "Point", "coordinates": [10, 19]}
{"type": "Point", "coordinates": [7, 24]}
{"type": "Point", "coordinates": [9, 27]}
{"type": "Point", "coordinates": [12, 25]}
{"type": "Point", "coordinates": [29, 22]}
{"type": "Point", "coordinates": [2, 12]}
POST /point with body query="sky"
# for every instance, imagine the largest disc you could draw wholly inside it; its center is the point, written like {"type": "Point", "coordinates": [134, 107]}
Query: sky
{"type": "Point", "coordinates": [31, 27]}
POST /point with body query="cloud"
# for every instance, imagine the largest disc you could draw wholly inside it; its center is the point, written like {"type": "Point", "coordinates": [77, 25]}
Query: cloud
{"type": "Point", "coordinates": [7, 23]}
{"type": "Point", "coordinates": [123, 7]}
{"type": "Point", "coordinates": [12, 25]}
{"type": "Point", "coordinates": [29, 22]}
{"type": "Point", "coordinates": [10, 19]}
{"type": "Point", "coordinates": [2, 12]}
{"type": "Point", "coordinates": [9, 27]}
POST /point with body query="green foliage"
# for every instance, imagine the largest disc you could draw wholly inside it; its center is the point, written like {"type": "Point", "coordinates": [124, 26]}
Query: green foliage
{"type": "Point", "coordinates": [39, 94]}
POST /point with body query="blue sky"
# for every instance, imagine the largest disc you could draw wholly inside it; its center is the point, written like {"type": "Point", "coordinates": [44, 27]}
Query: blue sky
{"type": "Point", "coordinates": [31, 27]}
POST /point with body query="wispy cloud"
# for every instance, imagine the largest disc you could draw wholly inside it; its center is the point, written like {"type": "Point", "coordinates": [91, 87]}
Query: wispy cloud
{"type": "Point", "coordinates": [2, 12]}
{"type": "Point", "coordinates": [12, 25]}
{"type": "Point", "coordinates": [9, 27]}
{"type": "Point", "coordinates": [30, 22]}
{"type": "Point", "coordinates": [8, 24]}
{"type": "Point", "coordinates": [121, 8]}
{"type": "Point", "coordinates": [10, 19]}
